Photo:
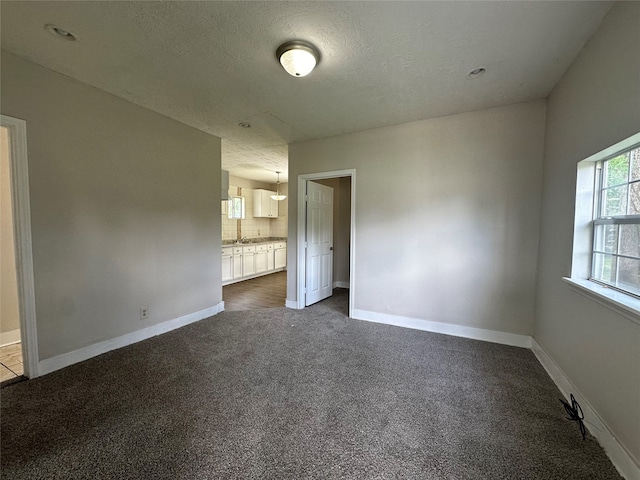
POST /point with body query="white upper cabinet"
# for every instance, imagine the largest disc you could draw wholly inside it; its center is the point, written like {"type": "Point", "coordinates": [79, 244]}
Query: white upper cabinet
{"type": "Point", "coordinates": [264, 205]}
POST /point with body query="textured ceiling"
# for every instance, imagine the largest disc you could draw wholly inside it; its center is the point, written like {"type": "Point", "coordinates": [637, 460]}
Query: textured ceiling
{"type": "Point", "coordinates": [212, 65]}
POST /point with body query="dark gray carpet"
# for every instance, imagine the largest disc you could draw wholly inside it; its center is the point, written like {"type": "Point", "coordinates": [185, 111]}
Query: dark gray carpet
{"type": "Point", "coordinates": [285, 394]}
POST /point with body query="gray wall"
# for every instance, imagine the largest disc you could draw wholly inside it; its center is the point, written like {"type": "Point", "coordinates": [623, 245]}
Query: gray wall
{"type": "Point", "coordinates": [447, 215]}
{"type": "Point", "coordinates": [595, 105]}
{"type": "Point", "coordinates": [125, 210]}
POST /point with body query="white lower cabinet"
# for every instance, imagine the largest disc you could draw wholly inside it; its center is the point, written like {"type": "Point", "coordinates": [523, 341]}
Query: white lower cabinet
{"type": "Point", "coordinates": [280, 255]}
{"type": "Point", "coordinates": [248, 261]}
{"type": "Point", "coordinates": [237, 262]}
{"type": "Point", "coordinates": [240, 262]}
{"type": "Point", "coordinates": [270, 263]}
{"type": "Point", "coordinates": [227, 264]}
{"type": "Point", "coordinates": [261, 259]}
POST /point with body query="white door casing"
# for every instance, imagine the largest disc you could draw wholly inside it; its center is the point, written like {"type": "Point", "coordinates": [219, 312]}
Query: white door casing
{"type": "Point", "coordinates": [300, 237]}
{"type": "Point", "coordinates": [319, 238]}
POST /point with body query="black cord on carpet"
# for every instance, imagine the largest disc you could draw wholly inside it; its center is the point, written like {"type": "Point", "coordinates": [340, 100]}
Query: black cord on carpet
{"type": "Point", "coordinates": [575, 413]}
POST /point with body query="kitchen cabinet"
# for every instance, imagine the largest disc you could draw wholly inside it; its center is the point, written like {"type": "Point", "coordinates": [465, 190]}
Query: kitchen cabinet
{"type": "Point", "coordinates": [248, 261]}
{"type": "Point", "coordinates": [224, 185]}
{"type": "Point", "coordinates": [264, 205]}
{"type": "Point", "coordinates": [241, 262]}
{"type": "Point", "coordinates": [227, 264]}
{"type": "Point", "coordinates": [280, 255]}
{"type": "Point", "coordinates": [261, 258]}
{"type": "Point", "coordinates": [237, 262]}
{"type": "Point", "coordinates": [270, 258]}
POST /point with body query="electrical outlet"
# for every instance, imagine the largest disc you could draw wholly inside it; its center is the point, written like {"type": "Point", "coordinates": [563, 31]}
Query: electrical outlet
{"type": "Point", "coordinates": [144, 313]}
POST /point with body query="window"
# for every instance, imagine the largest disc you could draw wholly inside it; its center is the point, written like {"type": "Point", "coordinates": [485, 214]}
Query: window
{"type": "Point", "coordinates": [616, 222]}
{"type": "Point", "coordinates": [236, 207]}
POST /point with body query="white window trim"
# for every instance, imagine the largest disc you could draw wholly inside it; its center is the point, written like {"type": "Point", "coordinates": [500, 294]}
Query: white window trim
{"type": "Point", "coordinates": [622, 303]}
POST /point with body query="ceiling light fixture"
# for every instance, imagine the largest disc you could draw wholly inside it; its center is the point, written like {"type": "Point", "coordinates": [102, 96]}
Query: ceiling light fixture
{"type": "Point", "coordinates": [244, 125]}
{"type": "Point", "coordinates": [277, 196]}
{"type": "Point", "coordinates": [298, 58]}
{"type": "Point", "coordinates": [60, 33]}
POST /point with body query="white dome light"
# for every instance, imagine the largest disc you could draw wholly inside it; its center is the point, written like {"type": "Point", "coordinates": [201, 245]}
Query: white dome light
{"type": "Point", "coordinates": [298, 58]}
{"type": "Point", "coordinates": [278, 196]}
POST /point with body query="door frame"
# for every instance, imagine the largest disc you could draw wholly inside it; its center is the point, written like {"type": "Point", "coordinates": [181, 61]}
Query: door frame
{"type": "Point", "coordinates": [301, 233]}
{"type": "Point", "coordinates": [19, 169]}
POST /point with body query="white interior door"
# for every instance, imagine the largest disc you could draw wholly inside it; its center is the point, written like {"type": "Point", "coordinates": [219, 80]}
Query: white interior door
{"type": "Point", "coordinates": [319, 235]}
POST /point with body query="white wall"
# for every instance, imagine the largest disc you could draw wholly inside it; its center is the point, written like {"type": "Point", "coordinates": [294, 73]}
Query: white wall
{"type": "Point", "coordinates": [595, 105]}
{"type": "Point", "coordinates": [250, 226]}
{"type": "Point", "coordinates": [124, 206]}
{"type": "Point", "coordinates": [9, 313]}
{"type": "Point", "coordinates": [447, 215]}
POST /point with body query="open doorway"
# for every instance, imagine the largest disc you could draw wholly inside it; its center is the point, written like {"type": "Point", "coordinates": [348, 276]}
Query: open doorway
{"type": "Point", "coordinates": [343, 235]}
{"type": "Point", "coordinates": [18, 347]}
{"type": "Point", "coordinates": [254, 245]}
{"type": "Point", "coordinates": [10, 345]}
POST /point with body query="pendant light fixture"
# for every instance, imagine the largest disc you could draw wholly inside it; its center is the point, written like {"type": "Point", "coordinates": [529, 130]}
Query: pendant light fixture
{"type": "Point", "coordinates": [277, 196]}
{"type": "Point", "coordinates": [298, 58]}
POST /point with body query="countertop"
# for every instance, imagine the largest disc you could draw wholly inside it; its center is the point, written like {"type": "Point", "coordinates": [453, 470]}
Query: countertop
{"type": "Point", "coordinates": [252, 241]}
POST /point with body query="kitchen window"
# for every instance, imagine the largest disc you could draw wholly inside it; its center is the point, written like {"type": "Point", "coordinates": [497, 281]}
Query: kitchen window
{"type": "Point", "coordinates": [616, 223]}
{"type": "Point", "coordinates": [236, 207]}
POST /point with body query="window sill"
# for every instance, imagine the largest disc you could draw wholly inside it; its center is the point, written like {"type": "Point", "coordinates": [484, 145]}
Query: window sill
{"type": "Point", "coordinates": [625, 305]}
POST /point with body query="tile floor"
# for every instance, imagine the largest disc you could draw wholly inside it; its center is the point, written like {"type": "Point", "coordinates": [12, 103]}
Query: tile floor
{"type": "Point", "coordinates": [10, 361]}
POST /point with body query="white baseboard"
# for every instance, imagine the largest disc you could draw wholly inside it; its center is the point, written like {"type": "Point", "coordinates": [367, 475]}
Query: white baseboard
{"type": "Point", "coordinates": [621, 459]}
{"type": "Point", "coordinates": [446, 328]}
{"type": "Point", "coordinates": [60, 361]}
{"type": "Point", "coordinates": [10, 337]}
{"type": "Point", "coordinates": [291, 304]}
{"type": "Point", "coordinates": [340, 284]}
